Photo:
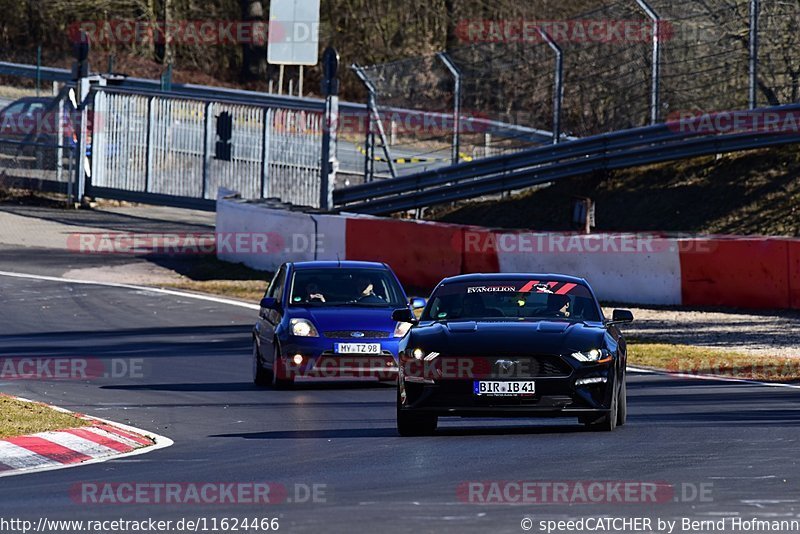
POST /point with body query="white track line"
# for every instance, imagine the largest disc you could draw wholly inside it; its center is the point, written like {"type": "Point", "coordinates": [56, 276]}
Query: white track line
{"type": "Point", "coordinates": [159, 290]}
{"type": "Point", "coordinates": [713, 377]}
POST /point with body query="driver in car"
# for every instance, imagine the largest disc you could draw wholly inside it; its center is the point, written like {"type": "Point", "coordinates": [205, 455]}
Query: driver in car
{"type": "Point", "coordinates": [558, 306]}
{"type": "Point", "coordinates": [366, 291]}
{"type": "Point", "coordinates": [313, 292]}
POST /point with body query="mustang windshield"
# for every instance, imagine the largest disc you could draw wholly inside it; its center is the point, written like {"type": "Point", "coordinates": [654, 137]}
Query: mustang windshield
{"type": "Point", "coordinates": [513, 299]}
{"type": "Point", "coordinates": [345, 287]}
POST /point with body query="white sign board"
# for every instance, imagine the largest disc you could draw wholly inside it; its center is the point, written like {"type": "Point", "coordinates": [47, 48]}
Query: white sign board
{"type": "Point", "coordinates": [293, 32]}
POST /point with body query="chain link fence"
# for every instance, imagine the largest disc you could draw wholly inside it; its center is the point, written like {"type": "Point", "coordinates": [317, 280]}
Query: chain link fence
{"type": "Point", "coordinates": [37, 142]}
{"type": "Point", "coordinates": [626, 64]}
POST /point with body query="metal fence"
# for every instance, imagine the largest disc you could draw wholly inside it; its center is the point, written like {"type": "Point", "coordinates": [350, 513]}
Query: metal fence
{"type": "Point", "coordinates": [165, 145]}
{"type": "Point", "coordinates": [683, 57]}
{"type": "Point", "coordinates": [37, 143]}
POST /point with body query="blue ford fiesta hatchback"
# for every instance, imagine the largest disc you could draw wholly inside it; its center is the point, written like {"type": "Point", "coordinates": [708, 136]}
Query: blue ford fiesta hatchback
{"type": "Point", "coordinates": [329, 319]}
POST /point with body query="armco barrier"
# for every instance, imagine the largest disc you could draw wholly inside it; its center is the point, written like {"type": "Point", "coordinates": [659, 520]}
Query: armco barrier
{"type": "Point", "coordinates": [634, 268]}
{"type": "Point", "coordinates": [420, 253]}
{"type": "Point", "coordinates": [736, 272]}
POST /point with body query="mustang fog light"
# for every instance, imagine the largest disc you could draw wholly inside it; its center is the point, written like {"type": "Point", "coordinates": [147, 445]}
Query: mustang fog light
{"type": "Point", "coordinates": [418, 354]}
{"type": "Point", "coordinates": [297, 359]}
{"type": "Point", "coordinates": [594, 380]}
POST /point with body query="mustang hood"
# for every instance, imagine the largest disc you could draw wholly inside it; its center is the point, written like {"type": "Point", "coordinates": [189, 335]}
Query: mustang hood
{"type": "Point", "coordinates": [477, 338]}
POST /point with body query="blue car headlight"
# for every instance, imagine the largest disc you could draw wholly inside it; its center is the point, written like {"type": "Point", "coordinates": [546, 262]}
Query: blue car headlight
{"type": "Point", "coordinates": [303, 328]}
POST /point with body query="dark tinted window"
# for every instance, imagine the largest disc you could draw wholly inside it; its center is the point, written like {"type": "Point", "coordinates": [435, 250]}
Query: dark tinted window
{"type": "Point", "coordinates": [514, 299]}
{"type": "Point", "coordinates": [343, 286]}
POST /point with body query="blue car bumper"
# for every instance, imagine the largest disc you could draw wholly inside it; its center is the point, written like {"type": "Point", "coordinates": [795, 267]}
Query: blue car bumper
{"type": "Point", "coordinates": [322, 357]}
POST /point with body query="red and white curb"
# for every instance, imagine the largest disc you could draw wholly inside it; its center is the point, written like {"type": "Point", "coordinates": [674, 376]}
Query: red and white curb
{"type": "Point", "coordinates": [100, 441]}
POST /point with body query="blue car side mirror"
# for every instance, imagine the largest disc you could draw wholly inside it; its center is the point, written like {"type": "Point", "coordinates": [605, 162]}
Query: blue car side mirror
{"type": "Point", "coordinates": [270, 303]}
{"type": "Point", "coordinates": [417, 303]}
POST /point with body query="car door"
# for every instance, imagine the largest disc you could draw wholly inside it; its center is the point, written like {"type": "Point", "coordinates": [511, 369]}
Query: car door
{"type": "Point", "coordinates": [268, 319]}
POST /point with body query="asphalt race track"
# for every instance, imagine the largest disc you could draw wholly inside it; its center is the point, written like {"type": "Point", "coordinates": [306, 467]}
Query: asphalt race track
{"type": "Point", "coordinates": [737, 441]}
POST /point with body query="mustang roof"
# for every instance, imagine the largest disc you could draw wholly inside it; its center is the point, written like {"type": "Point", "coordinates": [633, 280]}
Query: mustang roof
{"type": "Point", "coordinates": [495, 277]}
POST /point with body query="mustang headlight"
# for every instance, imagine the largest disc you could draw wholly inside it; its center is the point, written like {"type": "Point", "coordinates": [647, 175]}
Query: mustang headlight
{"type": "Point", "coordinates": [303, 328]}
{"type": "Point", "coordinates": [593, 355]}
{"type": "Point", "coordinates": [401, 328]}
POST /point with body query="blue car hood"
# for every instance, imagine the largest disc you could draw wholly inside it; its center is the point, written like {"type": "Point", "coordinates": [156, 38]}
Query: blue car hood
{"type": "Point", "coordinates": [348, 318]}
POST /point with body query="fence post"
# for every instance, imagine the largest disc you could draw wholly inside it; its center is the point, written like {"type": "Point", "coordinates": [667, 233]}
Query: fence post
{"type": "Point", "coordinates": [558, 83]}
{"type": "Point", "coordinates": [206, 147]}
{"type": "Point", "coordinates": [265, 140]}
{"type": "Point", "coordinates": [374, 114]}
{"type": "Point", "coordinates": [456, 73]}
{"type": "Point", "coordinates": [656, 60]}
{"type": "Point", "coordinates": [148, 169]}
{"type": "Point", "coordinates": [330, 124]}
{"type": "Point", "coordinates": [60, 139]}
{"type": "Point", "coordinates": [755, 6]}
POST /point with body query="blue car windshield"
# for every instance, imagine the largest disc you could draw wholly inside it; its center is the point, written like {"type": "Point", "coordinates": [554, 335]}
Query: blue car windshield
{"type": "Point", "coordinates": [345, 287]}
{"type": "Point", "coordinates": [512, 299]}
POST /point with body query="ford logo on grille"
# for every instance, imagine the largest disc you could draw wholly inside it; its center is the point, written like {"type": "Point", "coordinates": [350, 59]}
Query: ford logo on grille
{"type": "Point", "coordinates": [356, 334]}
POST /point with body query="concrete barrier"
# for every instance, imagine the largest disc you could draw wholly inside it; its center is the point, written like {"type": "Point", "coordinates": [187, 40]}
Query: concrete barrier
{"type": "Point", "coordinates": [735, 272]}
{"type": "Point", "coordinates": [420, 253]}
{"type": "Point", "coordinates": [631, 268]}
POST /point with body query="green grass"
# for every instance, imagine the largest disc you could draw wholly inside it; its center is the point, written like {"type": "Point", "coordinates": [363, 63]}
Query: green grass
{"type": "Point", "coordinates": [712, 361]}
{"type": "Point", "coordinates": [248, 290]}
{"type": "Point", "coordinates": [19, 418]}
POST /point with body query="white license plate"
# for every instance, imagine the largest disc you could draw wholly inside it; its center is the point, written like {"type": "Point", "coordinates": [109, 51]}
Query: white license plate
{"type": "Point", "coordinates": [358, 348]}
{"type": "Point", "coordinates": [502, 388]}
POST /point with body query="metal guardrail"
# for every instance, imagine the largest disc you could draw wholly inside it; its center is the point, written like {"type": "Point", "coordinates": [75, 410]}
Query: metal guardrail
{"type": "Point", "coordinates": [616, 150]}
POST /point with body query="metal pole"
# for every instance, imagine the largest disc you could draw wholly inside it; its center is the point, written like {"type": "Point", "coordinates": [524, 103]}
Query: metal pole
{"type": "Point", "coordinates": [207, 131]}
{"type": "Point", "coordinates": [656, 60]}
{"type": "Point", "coordinates": [374, 114]}
{"type": "Point", "coordinates": [755, 6]}
{"type": "Point", "coordinates": [265, 131]}
{"type": "Point", "coordinates": [38, 69]}
{"type": "Point", "coordinates": [329, 162]}
{"type": "Point", "coordinates": [300, 83]}
{"type": "Point", "coordinates": [558, 83]}
{"type": "Point", "coordinates": [456, 73]}
{"type": "Point", "coordinates": [148, 170]}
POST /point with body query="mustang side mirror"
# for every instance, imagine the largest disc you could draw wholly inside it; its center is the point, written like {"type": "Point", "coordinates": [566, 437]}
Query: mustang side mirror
{"type": "Point", "coordinates": [270, 303]}
{"type": "Point", "coordinates": [403, 315]}
{"type": "Point", "coordinates": [417, 303]}
{"type": "Point", "coordinates": [621, 316]}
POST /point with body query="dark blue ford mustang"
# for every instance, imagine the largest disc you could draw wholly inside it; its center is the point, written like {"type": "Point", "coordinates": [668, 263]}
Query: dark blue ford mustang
{"type": "Point", "coordinates": [512, 345]}
{"type": "Point", "coordinates": [329, 319]}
